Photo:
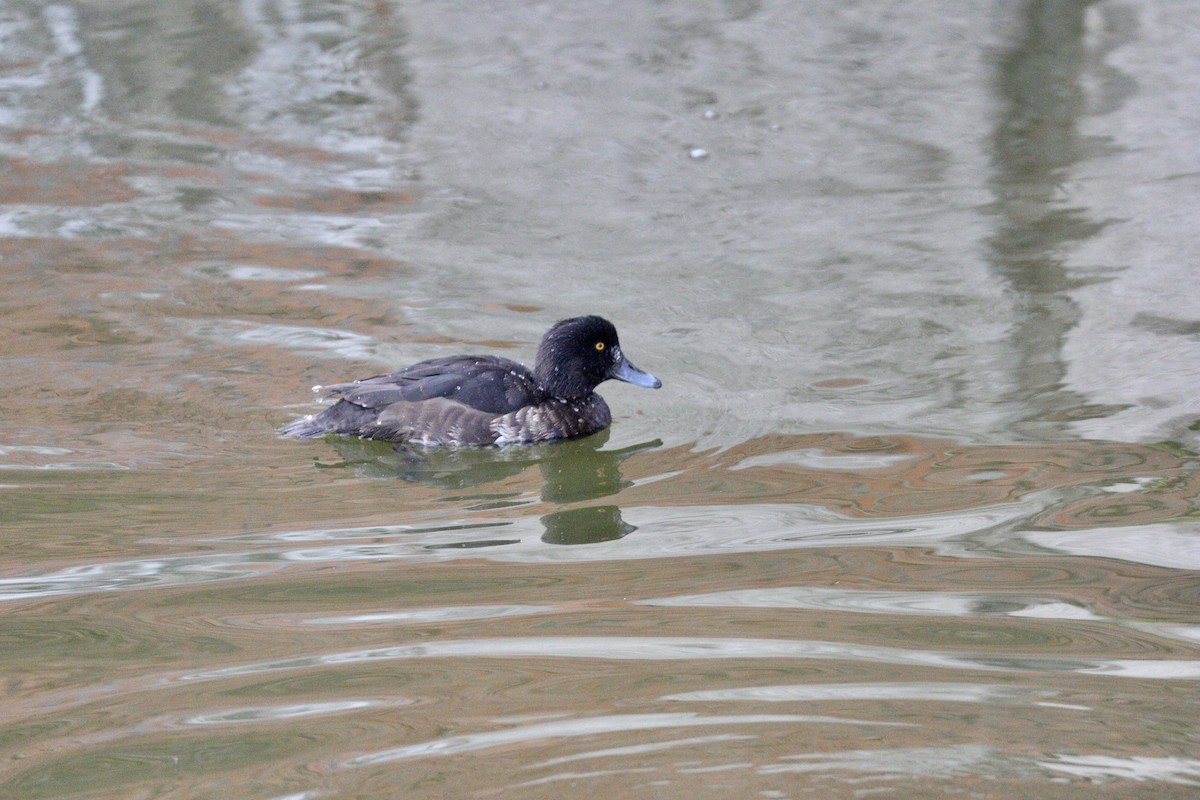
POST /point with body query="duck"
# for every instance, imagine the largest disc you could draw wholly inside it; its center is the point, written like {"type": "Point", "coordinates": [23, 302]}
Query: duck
{"type": "Point", "coordinates": [485, 400]}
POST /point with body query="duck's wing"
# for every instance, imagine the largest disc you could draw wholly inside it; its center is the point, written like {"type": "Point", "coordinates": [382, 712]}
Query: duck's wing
{"type": "Point", "coordinates": [483, 383]}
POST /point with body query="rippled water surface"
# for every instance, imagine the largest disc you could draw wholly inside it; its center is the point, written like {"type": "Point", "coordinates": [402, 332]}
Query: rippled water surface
{"type": "Point", "coordinates": [914, 514]}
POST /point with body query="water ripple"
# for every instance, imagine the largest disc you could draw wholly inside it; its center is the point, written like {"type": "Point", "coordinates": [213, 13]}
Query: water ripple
{"type": "Point", "coordinates": [589, 726]}
{"type": "Point", "coordinates": [324, 341]}
{"type": "Point", "coordinates": [698, 648]}
{"type": "Point", "coordinates": [919, 603]}
{"type": "Point", "coordinates": [1172, 545]}
{"type": "Point", "coordinates": [121, 575]}
{"type": "Point", "coordinates": [664, 532]}
{"type": "Point", "coordinates": [1184, 771]}
{"type": "Point", "coordinates": [814, 458]}
{"type": "Point", "coordinates": [931, 603]}
{"type": "Point", "coordinates": [816, 692]}
{"type": "Point", "coordinates": [677, 532]}
{"type": "Point", "coordinates": [928, 762]}
{"type": "Point", "coordinates": [641, 749]}
{"type": "Point", "coordinates": [421, 616]}
{"type": "Point", "coordinates": [271, 713]}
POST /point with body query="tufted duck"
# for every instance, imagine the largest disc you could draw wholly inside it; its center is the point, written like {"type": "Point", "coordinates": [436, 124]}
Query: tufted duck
{"type": "Point", "coordinates": [486, 400]}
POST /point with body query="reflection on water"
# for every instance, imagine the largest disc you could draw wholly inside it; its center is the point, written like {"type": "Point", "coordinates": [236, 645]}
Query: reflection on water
{"type": "Point", "coordinates": [587, 727]}
{"type": "Point", "coordinates": [571, 472]}
{"type": "Point", "coordinates": [1035, 144]}
{"type": "Point", "coordinates": [855, 545]}
{"type": "Point", "coordinates": [938, 692]}
{"type": "Point", "coordinates": [1185, 771]}
{"type": "Point", "coordinates": [692, 649]}
{"type": "Point", "coordinates": [585, 525]}
{"type": "Point", "coordinates": [490, 503]}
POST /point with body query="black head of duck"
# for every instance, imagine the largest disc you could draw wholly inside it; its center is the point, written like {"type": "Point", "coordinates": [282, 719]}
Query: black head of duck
{"type": "Point", "coordinates": [486, 400]}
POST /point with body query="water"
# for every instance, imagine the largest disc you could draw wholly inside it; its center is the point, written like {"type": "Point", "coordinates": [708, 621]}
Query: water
{"type": "Point", "coordinates": [913, 514]}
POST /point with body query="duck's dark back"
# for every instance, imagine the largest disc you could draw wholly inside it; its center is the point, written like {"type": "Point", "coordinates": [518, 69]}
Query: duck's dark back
{"type": "Point", "coordinates": [485, 383]}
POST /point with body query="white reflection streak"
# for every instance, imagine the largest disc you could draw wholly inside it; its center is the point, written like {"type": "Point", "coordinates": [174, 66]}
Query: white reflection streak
{"type": "Point", "coordinates": [1133, 668]}
{"type": "Point", "coordinates": [328, 229]}
{"type": "Point", "coordinates": [695, 648]}
{"type": "Point", "coordinates": [927, 603]}
{"type": "Point", "coordinates": [123, 575]}
{"type": "Point", "coordinates": [790, 693]}
{"type": "Point", "coordinates": [257, 272]}
{"type": "Point", "coordinates": [1168, 630]}
{"type": "Point", "coordinates": [854, 600]}
{"type": "Point", "coordinates": [1171, 545]}
{"type": "Point", "coordinates": [587, 727]}
{"type": "Point", "coordinates": [1137, 768]}
{"type": "Point", "coordinates": [432, 615]}
{"type": "Point", "coordinates": [177, 570]}
{"type": "Point", "coordinates": [620, 648]}
{"type": "Point", "coordinates": [639, 749]}
{"type": "Point", "coordinates": [346, 344]}
{"type": "Point", "coordinates": [929, 762]}
{"type": "Point", "coordinates": [268, 713]}
{"type": "Point", "coordinates": [704, 529]}
{"type": "Point", "coordinates": [64, 27]}
{"type": "Point", "coordinates": [81, 466]}
{"type": "Point", "coordinates": [813, 458]}
{"type": "Point", "coordinates": [581, 776]}
{"type": "Point", "coordinates": [694, 531]}
{"type": "Point", "coordinates": [34, 449]}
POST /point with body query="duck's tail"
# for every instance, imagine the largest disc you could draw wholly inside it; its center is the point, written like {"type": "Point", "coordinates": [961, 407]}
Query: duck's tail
{"type": "Point", "coordinates": [342, 417]}
{"type": "Point", "coordinates": [307, 427]}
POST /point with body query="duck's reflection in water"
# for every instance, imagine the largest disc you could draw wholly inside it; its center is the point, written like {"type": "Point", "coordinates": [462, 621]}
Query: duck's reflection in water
{"type": "Point", "coordinates": [574, 471]}
{"type": "Point", "coordinates": [586, 525]}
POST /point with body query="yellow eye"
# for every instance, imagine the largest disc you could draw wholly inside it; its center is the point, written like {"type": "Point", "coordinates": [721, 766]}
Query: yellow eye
{"type": "Point", "coordinates": [599, 345]}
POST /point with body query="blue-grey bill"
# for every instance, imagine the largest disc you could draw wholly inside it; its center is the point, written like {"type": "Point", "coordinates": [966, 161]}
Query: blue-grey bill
{"type": "Point", "coordinates": [630, 374]}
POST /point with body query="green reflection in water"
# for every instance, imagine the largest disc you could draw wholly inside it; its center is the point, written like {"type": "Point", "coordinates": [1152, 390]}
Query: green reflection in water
{"type": "Point", "coordinates": [585, 525]}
